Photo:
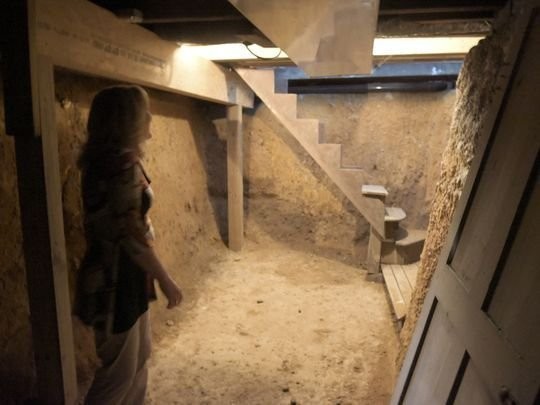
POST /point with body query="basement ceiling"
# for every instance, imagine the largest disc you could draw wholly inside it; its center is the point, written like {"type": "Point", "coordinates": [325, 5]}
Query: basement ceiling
{"type": "Point", "coordinates": [218, 21]}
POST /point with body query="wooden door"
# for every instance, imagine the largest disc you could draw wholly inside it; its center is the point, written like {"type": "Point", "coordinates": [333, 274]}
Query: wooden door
{"type": "Point", "coordinates": [478, 337]}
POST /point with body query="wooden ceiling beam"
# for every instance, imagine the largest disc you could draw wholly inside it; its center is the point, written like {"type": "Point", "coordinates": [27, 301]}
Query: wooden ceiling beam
{"type": "Point", "coordinates": [81, 36]}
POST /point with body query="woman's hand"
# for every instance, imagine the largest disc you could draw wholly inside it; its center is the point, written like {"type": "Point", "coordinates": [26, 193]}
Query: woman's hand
{"type": "Point", "coordinates": [147, 260]}
{"type": "Point", "coordinates": [171, 291]}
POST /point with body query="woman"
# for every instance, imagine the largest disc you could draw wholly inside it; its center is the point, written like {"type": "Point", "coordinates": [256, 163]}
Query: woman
{"type": "Point", "coordinates": [117, 276]}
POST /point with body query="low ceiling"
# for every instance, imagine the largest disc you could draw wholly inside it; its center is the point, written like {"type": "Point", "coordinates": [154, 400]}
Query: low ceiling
{"type": "Point", "coordinates": [217, 21]}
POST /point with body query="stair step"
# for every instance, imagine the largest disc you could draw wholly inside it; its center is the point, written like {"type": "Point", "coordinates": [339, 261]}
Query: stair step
{"type": "Point", "coordinates": [400, 281]}
{"type": "Point", "coordinates": [262, 81]}
{"type": "Point", "coordinates": [331, 152]}
{"type": "Point", "coordinates": [309, 125]}
{"type": "Point", "coordinates": [306, 131]}
{"type": "Point", "coordinates": [409, 248]}
{"type": "Point", "coordinates": [357, 176]}
{"type": "Point", "coordinates": [288, 104]}
{"type": "Point", "coordinates": [394, 214]}
{"type": "Point", "coordinates": [406, 247]}
{"type": "Point", "coordinates": [351, 168]}
{"type": "Point", "coordinates": [392, 217]}
{"type": "Point", "coordinates": [264, 78]}
{"type": "Point", "coordinates": [412, 237]}
{"type": "Point", "coordinates": [374, 190]}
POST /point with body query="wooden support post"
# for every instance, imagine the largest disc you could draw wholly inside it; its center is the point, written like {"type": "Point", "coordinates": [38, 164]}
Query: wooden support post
{"type": "Point", "coordinates": [235, 187]}
{"type": "Point", "coordinates": [373, 262]}
{"type": "Point", "coordinates": [30, 118]}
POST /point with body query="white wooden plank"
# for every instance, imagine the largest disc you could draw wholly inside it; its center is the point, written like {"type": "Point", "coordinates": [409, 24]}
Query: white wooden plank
{"type": "Point", "coordinates": [79, 35]}
{"type": "Point", "coordinates": [53, 184]}
{"type": "Point", "coordinates": [40, 201]}
{"type": "Point", "coordinates": [411, 272]}
{"type": "Point", "coordinates": [398, 303]}
{"type": "Point", "coordinates": [403, 283]}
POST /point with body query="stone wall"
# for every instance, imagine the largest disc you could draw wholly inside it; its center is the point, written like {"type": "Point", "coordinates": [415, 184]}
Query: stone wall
{"type": "Point", "coordinates": [16, 357]}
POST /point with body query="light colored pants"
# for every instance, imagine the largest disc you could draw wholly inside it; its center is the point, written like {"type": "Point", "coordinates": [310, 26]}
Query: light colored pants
{"type": "Point", "coordinates": [123, 375]}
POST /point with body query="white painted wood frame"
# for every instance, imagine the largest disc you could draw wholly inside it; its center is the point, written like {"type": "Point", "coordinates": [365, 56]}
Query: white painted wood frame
{"type": "Point", "coordinates": [30, 118]}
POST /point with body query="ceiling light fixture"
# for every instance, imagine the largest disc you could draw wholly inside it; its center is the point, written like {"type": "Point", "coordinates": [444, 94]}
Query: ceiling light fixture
{"type": "Point", "coordinates": [236, 51]}
{"type": "Point", "coordinates": [382, 47]}
{"type": "Point", "coordinates": [424, 46]}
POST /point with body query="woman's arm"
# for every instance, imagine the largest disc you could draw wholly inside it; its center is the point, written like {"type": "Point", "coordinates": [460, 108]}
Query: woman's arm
{"type": "Point", "coordinates": [125, 196]}
{"type": "Point", "coordinates": [147, 260]}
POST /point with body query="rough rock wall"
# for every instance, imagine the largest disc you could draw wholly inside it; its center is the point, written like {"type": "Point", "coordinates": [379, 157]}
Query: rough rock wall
{"type": "Point", "coordinates": [475, 90]}
{"type": "Point", "coordinates": [16, 361]}
{"type": "Point", "coordinates": [398, 138]}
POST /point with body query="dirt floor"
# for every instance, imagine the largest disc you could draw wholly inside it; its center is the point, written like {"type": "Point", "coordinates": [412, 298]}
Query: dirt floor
{"type": "Point", "coordinates": [272, 325]}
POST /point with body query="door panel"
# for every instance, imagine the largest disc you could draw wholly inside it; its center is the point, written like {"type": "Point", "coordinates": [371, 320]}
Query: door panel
{"type": "Point", "coordinates": [478, 336]}
{"type": "Point", "coordinates": [439, 361]}
{"type": "Point", "coordinates": [472, 390]}
{"type": "Point", "coordinates": [516, 315]}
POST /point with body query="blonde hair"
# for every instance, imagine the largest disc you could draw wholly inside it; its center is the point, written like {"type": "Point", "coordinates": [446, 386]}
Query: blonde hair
{"type": "Point", "coordinates": [118, 119]}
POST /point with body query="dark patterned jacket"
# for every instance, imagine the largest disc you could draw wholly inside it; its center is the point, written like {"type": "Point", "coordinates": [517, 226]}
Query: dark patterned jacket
{"type": "Point", "coordinates": [112, 290]}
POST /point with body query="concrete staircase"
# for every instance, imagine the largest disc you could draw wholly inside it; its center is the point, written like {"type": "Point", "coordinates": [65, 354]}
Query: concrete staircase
{"type": "Point", "coordinates": [396, 245]}
{"type": "Point", "coordinates": [322, 37]}
{"type": "Point", "coordinates": [308, 134]}
{"type": "Point", "coordinates": [389, 242]}
{"type": "Point", "coordinates": [336, 54]}
{"type": "Point", "coordinates": [395, 253]}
